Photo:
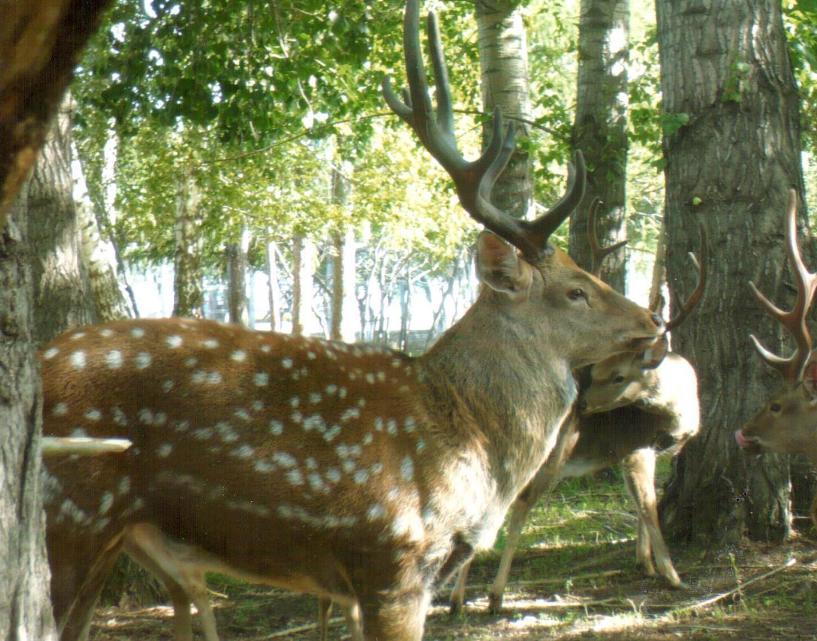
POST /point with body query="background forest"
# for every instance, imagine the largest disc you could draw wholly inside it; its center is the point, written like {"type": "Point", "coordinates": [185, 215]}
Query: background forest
{"type": "Point", "coordinates": [236, 159]}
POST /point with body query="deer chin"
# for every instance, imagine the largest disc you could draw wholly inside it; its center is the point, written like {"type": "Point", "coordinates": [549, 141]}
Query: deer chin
{"type": "Point", "coordinates": [749, 444]}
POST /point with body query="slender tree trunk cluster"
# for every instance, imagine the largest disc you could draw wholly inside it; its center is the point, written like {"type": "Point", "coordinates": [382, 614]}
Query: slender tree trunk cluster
{"type": "Point", "coordinates": [728, 87]}
{"type": "Point", "coordinates": [600, 130]}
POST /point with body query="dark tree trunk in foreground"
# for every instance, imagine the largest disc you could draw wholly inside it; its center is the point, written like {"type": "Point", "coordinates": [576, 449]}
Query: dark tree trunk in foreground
{"type": "Point", "coordinates": [600, 130]}
{"type": "Point", "coordinates": [728, 84]}
{"type": "Point", "coordinates": [39, 44]}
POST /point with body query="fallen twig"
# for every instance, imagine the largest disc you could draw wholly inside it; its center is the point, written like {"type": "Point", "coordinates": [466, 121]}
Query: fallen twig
{"type": "Point", "coordinates": [736, 590]}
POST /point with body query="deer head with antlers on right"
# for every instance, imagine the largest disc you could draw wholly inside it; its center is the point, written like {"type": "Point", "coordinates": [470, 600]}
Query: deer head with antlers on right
{"type": "Point", "coordinates": [787, 423]}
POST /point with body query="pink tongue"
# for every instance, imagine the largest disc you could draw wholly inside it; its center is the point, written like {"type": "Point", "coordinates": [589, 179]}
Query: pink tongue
{"type": "Point", "coordinates": [740, 438]}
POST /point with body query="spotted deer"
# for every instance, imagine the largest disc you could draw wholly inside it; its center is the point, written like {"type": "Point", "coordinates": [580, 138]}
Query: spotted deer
{"type": "Point", "coordinates": [633, 408]}
{"type": "Point", "coordinates": [787, 423]}
{"type": "Point", "coordinates": [355, 473]}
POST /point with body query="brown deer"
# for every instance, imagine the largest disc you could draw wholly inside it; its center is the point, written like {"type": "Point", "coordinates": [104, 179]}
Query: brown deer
{"type": "Point", "coordinates": [786, 423]}
{"type": "Point", "coordinates": [351, 472]}
{"type": "Point", "coordinates": [634, 407]}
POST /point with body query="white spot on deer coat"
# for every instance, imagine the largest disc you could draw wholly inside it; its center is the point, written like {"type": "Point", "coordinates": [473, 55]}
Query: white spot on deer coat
{"type": "Point", "coordinates": [199, 376]}
{"type": "Point", "coordinates": [370, 378]}
{"type": "Point", "coordinates": [79, 432]}
{"type": "Point", "coordinates": [409, 424]}
{"type": "Point", "coordinates": [286, 363]}
{"type": "Point", "coordinates": [164, 450]}
{"type": "Point", "coordinates": [276, 428]}
{"type": "Point", "coordinates": [105, 503]}
{"type": "Point", "coordinates": [239, 356]}
{"type": "Point", "coordinates": [119, 417]}
{"type": "Point", "coordinates": [261, 379]}
{"type": "Point", "coordinates": [331, 433]}
{"type": "Point", "coordinates": [93, 415]}
{"type": "Point", "coordinates": [294, 401]}
{"type": "Point", "coordinates": [77, 359]}
{"type": "Point", "coordinates": [114, 359]}
{"type": "Point", "coordinates": [77, 336]}
{"type": "Point", "coordinates": [106, 333]}
{"type": "Point", "coordinates": [314, 422]}
{"type": "Point", "coordinates": [124, 485]}
{"type": "Point", "coordinates": [167, 386]}
{"type": "Point", "coordinates": [226, 432]}
{"type": "Point", "coordinates": [361, 476]}
{"type": "Point", "coordinates": [263, 466]}
{"type": "Point", "coordinates": [137, 332]}
{"type": "Point", "coordinates": [284, 459]}
{"type": "Point", "coordinates": [294, 477]}
{"type": "Point", "coordinates": [191, 361]}
{"type": "Point", "coordinates": [407, 469]}
{"type": "Point", "coordinates": [243, 452]}
{"type": "Point", "coordinates": [331, 389]}
{"type": "Point", "coordinates": [174, 341]}
{"type": "Point", "coordinates": [50, 353]}
{"type": "Point", "coordinates": [349, 414]}
{"type": "Point", "coordinates": [257, 406]}
{"type": "Point", "coordinates": [333, 475]}
{"type": "Point", "coordinates": [375, 512]}
{"type": "Point", "coordinates": [214, 378]}
{"type": "Point", "coordinates": [60, 409]}
{"type": "Point", "coordinates": [210, 343]}
{"type": "Point", "coordinates": [243, 414]}
{"type": "Point", "coordinates": [142, 360]}
{"type": "Point", "coordinates": [314, 398]}
{"type": "Point", "coordinates": [391, 427]}
{"type": "Point", "coordinates": [203, 433]}
{"type": "Point", "coordinates": [266, 348]}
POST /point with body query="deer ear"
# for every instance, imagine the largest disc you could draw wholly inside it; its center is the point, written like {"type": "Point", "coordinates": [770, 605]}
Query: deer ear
{"type": "Point", "coordinates": [653, 356]}
{"type": "Point", "coordinates": [810, 379]}
{"type": "Point", "coordinates": [499, 266]}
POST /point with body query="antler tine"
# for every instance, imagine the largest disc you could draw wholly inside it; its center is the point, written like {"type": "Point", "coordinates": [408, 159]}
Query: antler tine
{"type": "Point", "coordinates": [698, 292]}
{"type": "Point", "coordinates": [598, 252]}
{"type": "Point", "coordinates": [474, 180]}
{"type": "Point", "coordinates": [794, 321]}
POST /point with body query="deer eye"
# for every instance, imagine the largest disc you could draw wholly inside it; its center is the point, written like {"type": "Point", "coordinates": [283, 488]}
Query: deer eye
{"type": "Point", "coordinates": [576, 294]}
{"type": "Point", "coordinates": [775, 407]}
{"type": "Point", "coordinates": [618, 379]}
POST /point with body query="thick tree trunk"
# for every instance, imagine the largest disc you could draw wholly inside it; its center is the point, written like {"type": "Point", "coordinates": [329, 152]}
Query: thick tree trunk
{"type": "Point", "coordinates": [62, 291]}
{"type": "Point", "coordinates": [189, 298]}
{"type": "Point", "coordinates": [600, 130]}
{"type": "Point", "coordinates": [503, 61]}
{"type": "Point", "coordinates": [25, 607]}
{"type": "Point", "coordinates": [344, 265]}
{"type": "Point", "coordinates": [726, 74]}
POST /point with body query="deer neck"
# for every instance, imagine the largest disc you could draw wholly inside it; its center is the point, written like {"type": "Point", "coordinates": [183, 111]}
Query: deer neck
{"type": "Point", "coordinates": [504, 386]}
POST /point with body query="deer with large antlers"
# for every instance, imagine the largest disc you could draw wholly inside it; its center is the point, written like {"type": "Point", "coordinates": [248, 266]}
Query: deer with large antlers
{"type": "Point", "coordinates": [787, 423]}
{"type": "Point", "coordinates": [351, 472]}
{"type": "Point", "coordinates": [633, 408]}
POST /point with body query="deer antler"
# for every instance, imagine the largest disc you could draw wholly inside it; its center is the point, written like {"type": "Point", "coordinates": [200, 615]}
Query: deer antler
{"type": "Point", "coordinates": [598, 252]}
{"type": "Point", "coordinates": [795, 320]}
{"type": "Point", "coordinates": [695, 296]}
{"type": "Point", "coordinates": [475, 179]}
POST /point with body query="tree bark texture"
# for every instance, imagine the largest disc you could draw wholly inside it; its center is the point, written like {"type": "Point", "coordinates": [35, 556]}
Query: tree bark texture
{"type": "Point", "coordinates": [25, 606]}
{"type": "Point", "coordinates": [237, 279]}
{"type": "Point", "coordinates": [40, 41]}
{"type": "Point", "coordinates": [503, 61]}
{"type": "Point", "coordinates": [189, 297]}
{"type": "Point", "coordinates": [600, 130]}
{"type": "Point", "coordinates": [273, 288]}
{"type": "Point", "coordinates": [62, 292]}
{"type": "Point", "coordinates": [303, 268]}
{"type": "Point", "coordinates": [726, 74]}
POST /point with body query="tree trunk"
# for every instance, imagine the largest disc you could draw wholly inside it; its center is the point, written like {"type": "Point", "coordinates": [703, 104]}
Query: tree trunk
{"type": "Point", "coordinates": [273, 287]}
{"type": "Point", "coordinates": [344, 265]}
{"type": "Point", "coordinates": [503, 61]}
{"type": "Point", "coordinates": [727, 83]}
{"type": "Point", "coordinates": [237, 279]}
{"type": "Point", "coordinates": [189, 298]}
{"type": "Point", "coordinates": [25, 606]}
{"type": "Point", "coordinates": [600, 130]}
{"type": "Point", "coordinates": [98, 255]}
{"type": "Point", "coordinates": [62, 292]}
{"type": "Point", "coordinates": [40, 42]}
{"type": "Point", "coordinates": [303, 268]}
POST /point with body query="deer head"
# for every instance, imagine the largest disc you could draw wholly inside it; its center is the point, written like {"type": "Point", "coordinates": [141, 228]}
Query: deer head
{"type": "Point", "coordinates": [646, 377]}
{"type": "Point", "coordinates": [786, 423]}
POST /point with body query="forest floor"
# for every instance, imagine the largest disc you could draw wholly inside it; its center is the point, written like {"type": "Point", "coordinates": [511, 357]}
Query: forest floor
{"type": "Point", "coordinates": [574, 578]}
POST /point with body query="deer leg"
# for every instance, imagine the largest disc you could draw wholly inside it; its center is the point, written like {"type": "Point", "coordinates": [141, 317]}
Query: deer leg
{"type": "Point", "coordinates": [544, 481]}
{"type": "Point", "coordinates": [457, 599]}
{"type": "Point", "coordinates": [639, 470]}
{"type": "Point", "coordinates": [74, 620]}
{"type": "Point", "coordinates": [184, 581]}
{"type": "Point", "coordinates": [324, 612]}
{"type": "Point", "coordinates": [353, 622]}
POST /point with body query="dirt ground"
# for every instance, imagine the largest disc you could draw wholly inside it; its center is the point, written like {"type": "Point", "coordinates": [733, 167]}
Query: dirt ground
{"type": "Point", "coordinates": [562, 592]}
